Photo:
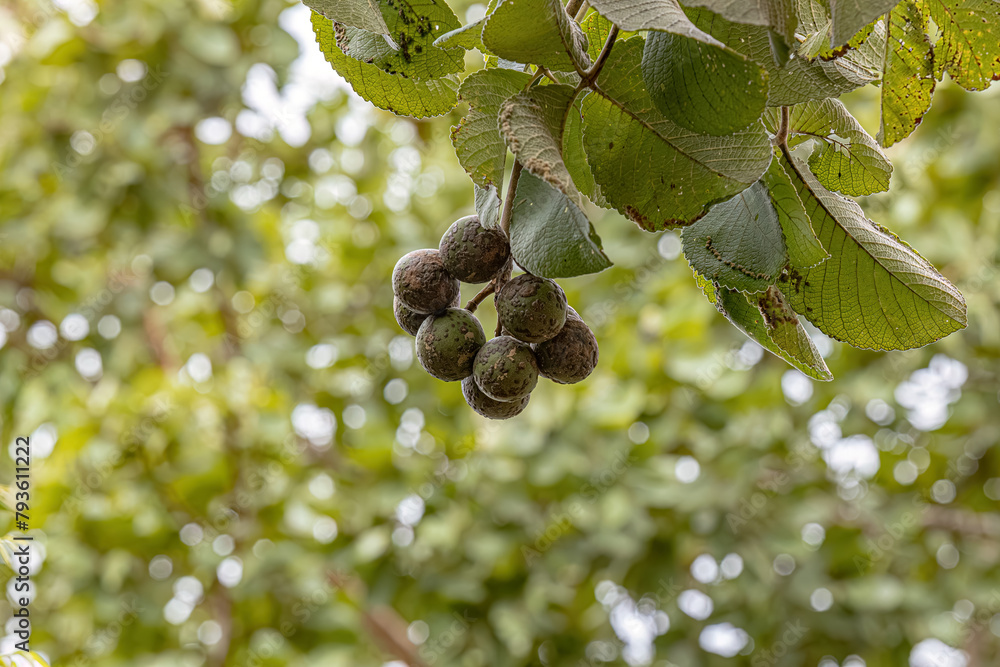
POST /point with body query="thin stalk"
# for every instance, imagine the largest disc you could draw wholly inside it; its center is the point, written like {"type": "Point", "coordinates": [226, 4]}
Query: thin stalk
{"type": "Point", "coordinates": [479, 298]}
{"type": "Point", "coordinates": [508, 204]}
{"type": "Point", "coordinates": [501, 280]}
{"type": "Point", "coordinates": [781, 137]}
{"type": "Point", "coordinates": [590, 76]}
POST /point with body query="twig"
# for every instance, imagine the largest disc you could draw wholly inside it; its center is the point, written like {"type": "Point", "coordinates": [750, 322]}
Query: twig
{"type": "Point", "coordinates": [479, 298]}
{"type": "Point", "coordinates": [382, 623]}
{"type": "Point", "coordinates": [975, 524]}
{"type": "Point", "coordinates": [508, 207]}
{"type": "Point", "coordinates": [573, 6]}
{"type": "Point", "coordinates": [230, 324]}
{"type": "Point", "coordinates": [508, 204]}
{"type": "Point", "coordinates": [590, 76]}
{"type": "Point", "coordinates": [223, 611]}
{"type": "Point", "coordinates": [583, 11]}
{"type": "Point", "coordinates": [551, 77]}
{"type": "Point", "coordinates": [781, 137]}
{"type": "Point", "coordinates": [156, 337]}
{"type": "Point", "coordinates": [388, 629]}
{"type": "Point", "coordinates": [501, 280]}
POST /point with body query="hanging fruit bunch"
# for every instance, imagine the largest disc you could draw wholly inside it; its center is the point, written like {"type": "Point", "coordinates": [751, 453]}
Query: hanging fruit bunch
{"type": "Point", "coordinates": [537, 332]}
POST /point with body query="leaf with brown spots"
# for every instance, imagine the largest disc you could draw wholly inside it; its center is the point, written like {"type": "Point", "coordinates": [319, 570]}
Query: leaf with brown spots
{"type": "Point", "coordinates": [532, 123]}
{"type": "Point", "coordinates": [656, 172]}
{"type": "Point", "coordinates": [907, 75]}
{"type": "Point", "coordinates": [969, 48]}
{"type": "Point", "coordinates": [768, 320]}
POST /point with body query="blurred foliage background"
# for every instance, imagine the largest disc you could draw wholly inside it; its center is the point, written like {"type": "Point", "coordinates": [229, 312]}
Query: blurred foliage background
{"type": "Point", "coordinates": [236, 460]}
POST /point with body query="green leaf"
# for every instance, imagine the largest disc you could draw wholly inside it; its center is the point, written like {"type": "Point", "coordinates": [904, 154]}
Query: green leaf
{"type": "Point", "coordinates": [875, 292]}
{"type": "Point", "coordinates": [860, 61]}
{"type": "Point", "coordinates": [478, 144]}
{"type": "Point", "coordinates": [656, 173]}
{"type": "Point", "coordinates": [370, 47]}
{"type": "Point", "coordinates": [907, 75]}
{"type": "Point", "coordinates": [532, 124]}
{"type": "Point", "coordinates": [850, 16]}
{"type": "Point", "coordinates": [781, 53]}
{"type": "Point", "coordinates": [969, 48]}
{"type": "Point", "coordinates": [848, 159]}
{"type": "Point", "coordinates": [409, 47]}
{"type": "Point", "coordinates": [778, 15]}
{"type": "Point", "coordinates": [816, 43]}
{"type": "Point", "coordinates": [799, 79]}
{"type": "Point", "coordinates": [488, 206]}
{"type": "Point", "coordinates": [770, 322]}
{"type": "Point", "coordinates": [467, 37]}
{"type": "Point", "coordinates": [575, 156]}
{"type": "Point", "coordinates": [400, 95]}
{"type": "Point", "coordinates": [549, 235]}
{"type": "Point", "coordinates": [538, 32]}
{"type": "Point", "coordinates": [364, 14]}
{"type": "Point", "coordinates": [706, 88]}
{"type": "Point", "coordinates": [857, 42]}
{"type": "Point", "coordinates": [804, 249]}
{"type": "Point", "coordinates": [662, 15]}
{"type": "Point", "coordinates": [597, 28]}
{"type": "Point", "coordinates": [739, 244]}
{"type": "Point", "coordinates": [786, 331]}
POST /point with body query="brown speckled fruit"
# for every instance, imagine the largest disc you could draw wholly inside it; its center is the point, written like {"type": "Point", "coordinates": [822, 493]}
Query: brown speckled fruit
{"type": "Point", "coordinates": [505, 369]}
{"type": "Point", "coordinates": [472, 253]}
{"type": "Point", "coordinates": [410, 321]}
{"type": "Point", "coordinates": [532, 309]}
{"type": "Point", "coordinates": [569, 357]}
{"type": "Point", "coordinates": [422, 284]}
{"type": "Point", "coordinates": [447, 344]}
{"type": "Point", "coordinates": [489, 408]}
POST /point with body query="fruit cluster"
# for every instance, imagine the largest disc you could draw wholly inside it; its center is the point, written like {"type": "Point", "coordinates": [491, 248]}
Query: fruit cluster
{"type": "Point", "coordinates": [537, 332]}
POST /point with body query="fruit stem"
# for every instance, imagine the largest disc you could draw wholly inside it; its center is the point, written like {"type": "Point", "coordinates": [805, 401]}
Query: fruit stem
{"type": "Point", "coordinates": [781, 137]}
{"type": "Point", "coordinates": [500, 281]}
{"type": "Point", "coordinates": [508, 204]}
{"type": "Point", "coordinates": [478, 299]}
{"type": "Point", "coordinates": [508, 208]}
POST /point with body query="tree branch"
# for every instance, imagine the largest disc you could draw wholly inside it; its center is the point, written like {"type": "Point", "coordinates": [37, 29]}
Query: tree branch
{"type": "Point", "coordinates": [382, 623]}
{"type": "Point", "coordinates": [222, 611]}
{"type": "Point", "coordinates": [974, 524]}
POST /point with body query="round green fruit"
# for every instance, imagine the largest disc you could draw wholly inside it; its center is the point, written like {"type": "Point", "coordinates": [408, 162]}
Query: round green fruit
{"type": "Point", "coordinates": [532, 309]}
{"type": "Point", "coordinates": [569, 357]}
{"type": "Point", "coordinates": [505, 369]}
{"type": "Point", "coordinates": [447, 344]}
{"type": "Point", "coordinates": [472, 253]}
{"type": "Point", "coordinates": [410, 321]}
{"type": "Point", "coordinates": [486, 406]}
{"type": "Point", "coordinates": [422, 284]}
